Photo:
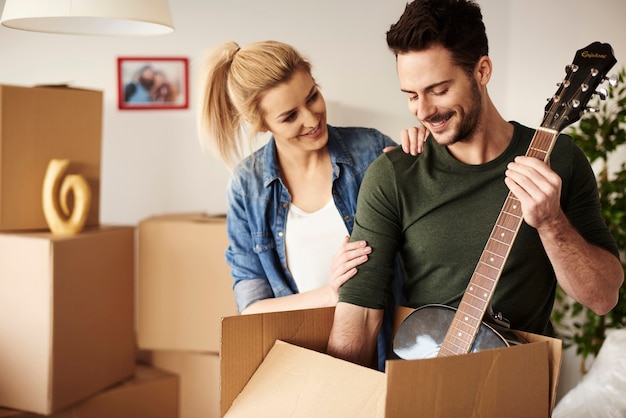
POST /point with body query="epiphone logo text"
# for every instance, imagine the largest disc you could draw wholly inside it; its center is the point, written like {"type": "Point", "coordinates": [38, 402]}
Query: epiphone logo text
{"type": "Point", "coordinates": [587, 54]}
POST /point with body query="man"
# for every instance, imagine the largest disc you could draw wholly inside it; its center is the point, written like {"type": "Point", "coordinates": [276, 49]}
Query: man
{"type": "Point", "coordinates": [437, 211]}
{"type": "Point", "coordinates": [138, 91]}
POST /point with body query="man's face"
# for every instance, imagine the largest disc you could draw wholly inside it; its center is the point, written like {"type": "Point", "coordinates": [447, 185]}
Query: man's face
{"type": "Point", "coordinates": [146, 79]}
{"type": "Point", "coordinates": [440, 94]}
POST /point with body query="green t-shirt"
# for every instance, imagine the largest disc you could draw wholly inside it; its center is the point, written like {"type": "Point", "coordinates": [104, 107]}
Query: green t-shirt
{"type": "Point", "coordinates": [438, 213]}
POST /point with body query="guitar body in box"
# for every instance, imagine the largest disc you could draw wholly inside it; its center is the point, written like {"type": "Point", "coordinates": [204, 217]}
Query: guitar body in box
{"type": "Point", "coordinates": [424, 330]}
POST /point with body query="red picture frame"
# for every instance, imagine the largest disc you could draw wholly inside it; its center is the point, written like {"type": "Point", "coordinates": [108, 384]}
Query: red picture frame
{"type": "Point", "coordinates": [153, 83]}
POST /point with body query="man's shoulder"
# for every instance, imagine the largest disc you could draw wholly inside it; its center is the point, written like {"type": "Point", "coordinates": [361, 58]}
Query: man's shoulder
{"type": "Point", "coordinates": [390, 163]}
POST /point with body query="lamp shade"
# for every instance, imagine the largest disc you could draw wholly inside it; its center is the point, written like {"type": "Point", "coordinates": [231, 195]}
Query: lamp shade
{"type": "Point", "coordinates": [89, 17]}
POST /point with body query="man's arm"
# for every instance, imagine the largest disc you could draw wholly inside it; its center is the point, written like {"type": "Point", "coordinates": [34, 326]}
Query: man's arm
{"type": "Point", "coordinates": [354, 333]}
{"type": "Point", "coordinates": [589, 274]}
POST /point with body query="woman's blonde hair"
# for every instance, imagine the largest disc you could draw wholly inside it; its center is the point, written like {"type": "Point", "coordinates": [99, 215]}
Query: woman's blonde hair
{"type": "Point", "coordinates": [233, 82]}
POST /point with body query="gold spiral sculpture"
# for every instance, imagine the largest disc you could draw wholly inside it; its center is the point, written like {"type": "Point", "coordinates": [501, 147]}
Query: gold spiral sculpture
{"type": "Point", "coordinates": [55, 198]}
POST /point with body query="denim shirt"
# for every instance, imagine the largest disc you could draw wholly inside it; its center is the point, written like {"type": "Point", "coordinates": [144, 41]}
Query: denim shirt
{"type": "Point", "coordinates": [258, 202]}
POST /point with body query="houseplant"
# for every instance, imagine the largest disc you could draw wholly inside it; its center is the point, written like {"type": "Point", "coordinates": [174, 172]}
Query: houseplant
{"type": "Point", "coordinates": [601, 135]}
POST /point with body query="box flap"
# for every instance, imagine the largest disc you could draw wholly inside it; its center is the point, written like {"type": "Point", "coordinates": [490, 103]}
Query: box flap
{"type": "Point", "coordinates": [555, 353]}
{"type": "Point", "coordinates": [246, 339]}
{"type": "Point", "coordinates": [491, 383]}
{"type": "Point", "coordinates": [318, 385]}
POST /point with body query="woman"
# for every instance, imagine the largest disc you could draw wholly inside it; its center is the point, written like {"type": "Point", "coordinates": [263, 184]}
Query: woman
{"type": "Point", "coordinates": [291, 204]}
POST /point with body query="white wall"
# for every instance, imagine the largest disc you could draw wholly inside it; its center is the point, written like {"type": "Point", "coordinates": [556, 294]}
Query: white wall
{"type": "Point", "coordinates": [151, 159]}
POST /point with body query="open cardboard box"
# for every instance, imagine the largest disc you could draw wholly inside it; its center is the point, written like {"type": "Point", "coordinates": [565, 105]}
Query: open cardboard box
{"type": "Point", "coordinates": [293, 377]}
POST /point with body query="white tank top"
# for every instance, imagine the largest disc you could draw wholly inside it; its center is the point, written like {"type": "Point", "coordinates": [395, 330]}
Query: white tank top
{"type": "Point", "coordinates": [311, 241]}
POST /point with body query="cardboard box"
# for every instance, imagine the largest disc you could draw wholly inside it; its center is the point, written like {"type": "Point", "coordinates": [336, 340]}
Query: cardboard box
{"type": "Point", "coordinates": [184, 282]}
{"type": "Point", "coordinates": [151, 393]}
{"type": "Point", "coordinates": [66, 316]}
{"type": "Point", "coordinates": [38, 124]}
{"type": "Point", "coordinates": [295, 378]}
{"type": "Point", "coordinates": [199, 375]}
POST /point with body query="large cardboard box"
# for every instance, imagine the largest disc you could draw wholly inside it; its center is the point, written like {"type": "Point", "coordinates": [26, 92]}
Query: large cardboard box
{"type": "Point", "coordinates": [184, 282]}
{"type": "Point", "coordinates": [150, 393]}
{"type": "Point", "coordinates": [199, 379]}
{"type": "Point", "coordinates": [38, 124]}
{"type": "Point", "coordinates": [293, 377]}
{"type": "Point", "coordinates": [66, 316]}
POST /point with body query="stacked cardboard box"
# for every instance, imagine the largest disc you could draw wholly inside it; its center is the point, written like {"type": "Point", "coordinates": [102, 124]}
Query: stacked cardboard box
{"type": "Point", "coordinates": [184, 289]}
{"type": "Point", "coordinates": [66, 302]}
{"type": "Point", "coordinates": [151, 393]}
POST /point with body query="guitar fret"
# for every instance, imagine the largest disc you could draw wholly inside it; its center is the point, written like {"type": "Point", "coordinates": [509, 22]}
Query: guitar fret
{"type": "Point", "coordinates": [512, 204]}
{"type": "Point", "coordinates": [542, 144]}
{"type": "Point", "coordinates": [509, 221]}
{"type": "Point", "coordinates": [463, 330]}
{"type": "Point", "coordinates": [470, 310]}
{"type": "Point", "coordinates": [487, 271]}
{"type": "Point", "coordinates": [467, 318]}
{"type": "Point", "coordinates": [445, 350]}
{"type": "Point", "coordinates": [501, 232]}
{"type": "Point", "coordinates": [482, 300]}
{"type": "Point", "coordinates": [458, 344]}
{"type": "Point", "coordinates": [498, 247]}
{"type": "Point", "coordinates": [537, 153]}
{"type": "Point", "coordinates": [481, 285]}
{"type": "Point", "coordinates": [481, 281]}
{"type": "Point", "coordinates": [461, 338]}
{"type": "Point", "coordinates": [492, 258]}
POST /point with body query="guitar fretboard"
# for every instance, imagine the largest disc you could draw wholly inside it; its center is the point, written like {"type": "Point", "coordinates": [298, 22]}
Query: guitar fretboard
{"type": "Point", "coordinates": [471, 310]}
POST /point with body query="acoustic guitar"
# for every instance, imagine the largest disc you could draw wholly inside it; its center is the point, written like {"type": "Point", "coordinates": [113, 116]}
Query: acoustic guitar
{"type": "Point", "coordinates": [439, 330]}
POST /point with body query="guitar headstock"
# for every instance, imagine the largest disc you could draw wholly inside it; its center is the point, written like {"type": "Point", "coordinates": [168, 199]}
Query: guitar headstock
{"type": "Point", "coordinates": [583, 76]}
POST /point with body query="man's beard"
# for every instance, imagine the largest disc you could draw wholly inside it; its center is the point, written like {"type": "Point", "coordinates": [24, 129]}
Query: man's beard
{"type": "Point", "coordinates": [469, 123]}
{"type": "Point", "coordinates": [147, 83]}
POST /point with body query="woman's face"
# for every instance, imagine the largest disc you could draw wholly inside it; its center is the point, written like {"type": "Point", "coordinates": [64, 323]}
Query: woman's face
{"type": "Point", "coordinates": [295, 113]}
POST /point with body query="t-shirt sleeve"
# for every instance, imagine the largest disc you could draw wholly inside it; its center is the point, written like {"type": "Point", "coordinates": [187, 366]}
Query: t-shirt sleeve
{"type": "Point", "coordinates": [582, 206]}
{"type": "Point", "coordinates": [377, 222]}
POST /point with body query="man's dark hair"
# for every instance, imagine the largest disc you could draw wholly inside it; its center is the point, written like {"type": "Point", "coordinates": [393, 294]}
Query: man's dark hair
{"type": "Point", "coordinates": [457, 25]}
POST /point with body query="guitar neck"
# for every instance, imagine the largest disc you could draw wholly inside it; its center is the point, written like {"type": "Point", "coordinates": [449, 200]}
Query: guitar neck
{"type": "Point", "coordinates": [474, 304]}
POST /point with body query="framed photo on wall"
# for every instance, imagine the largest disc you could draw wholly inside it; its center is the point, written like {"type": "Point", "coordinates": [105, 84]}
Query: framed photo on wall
{"type": "Point", "coordinates": [153, 83]}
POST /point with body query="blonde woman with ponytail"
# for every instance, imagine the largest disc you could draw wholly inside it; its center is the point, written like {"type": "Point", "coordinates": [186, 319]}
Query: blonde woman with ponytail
{"type": "Point", "coordinates": [291, 203]}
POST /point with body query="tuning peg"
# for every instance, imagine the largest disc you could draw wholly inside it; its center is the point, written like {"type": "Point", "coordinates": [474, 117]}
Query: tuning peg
{"type": "Point", "coordinates": [591, 110]}
{"type": "Point", "coordinates": [564, 83]}
{"type": "Point", "coordinates": [602, 93]}
{"type": "Point", "coordinates": [612, 79]}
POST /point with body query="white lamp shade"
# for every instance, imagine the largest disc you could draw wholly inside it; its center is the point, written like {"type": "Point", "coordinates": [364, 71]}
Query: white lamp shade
{"type": "Point", "coordinates": [89, 17]}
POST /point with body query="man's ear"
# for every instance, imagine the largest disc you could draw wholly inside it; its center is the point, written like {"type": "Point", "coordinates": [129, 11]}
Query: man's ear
{"type": "Point", "coordinates": [482, 71]}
